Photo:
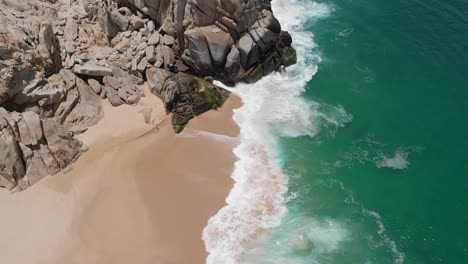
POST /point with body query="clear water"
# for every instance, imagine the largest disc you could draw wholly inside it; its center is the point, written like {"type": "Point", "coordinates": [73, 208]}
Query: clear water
{"type": "Point", "coordinates": [380, 173]}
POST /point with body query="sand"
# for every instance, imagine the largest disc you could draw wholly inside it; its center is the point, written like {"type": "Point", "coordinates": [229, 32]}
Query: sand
{"type": "Point", "coordinates": [139, 195]}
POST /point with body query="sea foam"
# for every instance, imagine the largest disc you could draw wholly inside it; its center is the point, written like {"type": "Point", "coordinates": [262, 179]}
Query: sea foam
{"type": "Point", "coordinates": [397, 162]}
{"type": "Point", "coordinates": [272, 107]}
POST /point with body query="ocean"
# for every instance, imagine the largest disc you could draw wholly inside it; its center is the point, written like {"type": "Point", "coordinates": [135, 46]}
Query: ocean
{"type": "Point", "coordinates": [359, 153]}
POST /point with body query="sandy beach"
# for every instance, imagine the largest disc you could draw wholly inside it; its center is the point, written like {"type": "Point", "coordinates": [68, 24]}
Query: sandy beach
{"type": "Point", "coordinates": [141, 194]}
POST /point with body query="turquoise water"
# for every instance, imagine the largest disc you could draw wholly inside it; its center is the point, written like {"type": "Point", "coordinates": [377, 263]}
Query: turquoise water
{"type": "Point", "coordinates": [390, 184]}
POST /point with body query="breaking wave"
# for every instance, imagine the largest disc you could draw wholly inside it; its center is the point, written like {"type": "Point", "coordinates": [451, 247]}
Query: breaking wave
{"type": "Point", "coordinates": [272, 107]}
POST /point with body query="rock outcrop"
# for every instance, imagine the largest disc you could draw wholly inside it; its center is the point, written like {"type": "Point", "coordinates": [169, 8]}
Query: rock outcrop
{"type": "Point", "coordinates": [60, 58]}
{"type": "Point", "coordinates": [231, 40]}
{"type": "Point", "coordinates": [32, 147]}
{"type": "Point", "coordinates": [184, 95]}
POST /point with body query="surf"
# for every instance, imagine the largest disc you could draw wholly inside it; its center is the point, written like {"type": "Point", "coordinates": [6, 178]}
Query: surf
{"type": "Point", "coordinates": [272, 108]}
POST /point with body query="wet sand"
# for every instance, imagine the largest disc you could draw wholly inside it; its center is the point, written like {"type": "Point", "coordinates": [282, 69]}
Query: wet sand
{"type": "Point", "coordinates": [139, 195]}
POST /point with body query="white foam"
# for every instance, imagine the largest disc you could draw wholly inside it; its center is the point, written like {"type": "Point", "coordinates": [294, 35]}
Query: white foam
{"type": "Point", "coordinates": [305, 240]}
{"type": "Point", "coordinates": [272, 107]}
{"type": "Point", "coordinates": [397, 162]}
{"type": "Point", "coordinates": [398, 256]}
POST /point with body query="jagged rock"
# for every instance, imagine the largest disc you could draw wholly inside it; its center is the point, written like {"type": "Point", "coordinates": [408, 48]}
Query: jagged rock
{"type": "Point", "coordinates": [69, 78]}
{"type": "Point", "coordinates": [141, 67]}
{"type": "Point", "coordinates": [92, 69]}
{"type": "Point", "coordinates": [41, 164]}
{"type": "Point", "coordinates": [30, 130]}
{"type": "Point", "coordinates": [11, 165]}
{"type": "Point", "coordinates": [33, 150]}
{"type": "Point", "coordinates": [67, 106]}
{"type": "Point", "coordinates": [61, 144]}
{"type": "Point", "coordinates": [47, 40]}
{"type": "Point", "coordinates": [122, 94]}
{"type": "Point", "coordinates": [87, 112]}
{"type": "Point", "coordinates": [154, 39]}
{"type": "Point", "coordinates": [39, 91]}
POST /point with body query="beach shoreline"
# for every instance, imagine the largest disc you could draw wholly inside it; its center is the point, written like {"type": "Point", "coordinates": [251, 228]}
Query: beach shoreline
{"type": "Point", "coordinates": [141, 194]}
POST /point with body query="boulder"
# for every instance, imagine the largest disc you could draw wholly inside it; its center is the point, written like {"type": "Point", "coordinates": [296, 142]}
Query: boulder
{"type": "Point", "coordinates": [61, 144]}
{"type": "Point", "coordinates": [95, 86]}
{"type": "Point", "coordinates": [168, 40]}
{"type": "Point", "coordinates": [184, 95]}
{"type": "Point", "coordinates": [219, 45]}
{"type": "Point", "coordinates": [67, 106]}
{"type": "Point", "coordinates": [233, 64]}
{"type": "Point", "coordinates": [118, 19]}
{"type": "Point", "coordinates": [150, 54]}
{"type": "Point", "coordinates": [11, 165]}
{"type": "Point", "coordinates": [113, 96]}
{"type": "Point", "coordinates": [41, 164]}
{"type": "Point", "coordinates": [137, 22]}
{"type": "Point", "coordinates": [167, 55]}
{"type": "Point", "coordinates": [156, 78]}
{"type": "Point", "coordinates": [30, 129]}
{"type": "Point", "coordinates": [32, 148]}
{"type": "Point", "coordinates": [87, 112]}
{"type": "Point", "coordinates": [204, 32]}
{"type": "Point", "coordinates": [154, 39]}
{"type": "Point", "coordinates": [109, 28]}
{"type": "Point", "coordinates": [141, 67]}
{"type": "Point", "coordinates": [92, 69]}
{"type": "Point", "coordinates": [249, 52]}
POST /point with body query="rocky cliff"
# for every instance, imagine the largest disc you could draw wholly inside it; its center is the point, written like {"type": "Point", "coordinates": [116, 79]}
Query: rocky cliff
{"type": "Point", "coordinates": [231, 40]}
{"type": "Point", "coordinates": [60, 58]}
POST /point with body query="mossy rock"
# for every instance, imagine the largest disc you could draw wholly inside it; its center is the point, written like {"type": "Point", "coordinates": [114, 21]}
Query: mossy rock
{"type": "Point", "coordinates": [179, 128]}
{"type": "Point", "coordinates": [288, 56]}
{"type": "Point", "coordinates": [213, 97]}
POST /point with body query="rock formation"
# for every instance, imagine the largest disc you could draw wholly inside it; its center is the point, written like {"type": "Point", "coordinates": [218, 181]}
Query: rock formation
{"type": "Point", "coordinates": [231, 40]}
{"type": "Point", "coordinates": [60, 58]}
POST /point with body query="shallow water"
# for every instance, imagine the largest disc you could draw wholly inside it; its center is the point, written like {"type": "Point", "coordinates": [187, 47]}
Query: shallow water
{"type": "Point", "coordinates": [367, 132]}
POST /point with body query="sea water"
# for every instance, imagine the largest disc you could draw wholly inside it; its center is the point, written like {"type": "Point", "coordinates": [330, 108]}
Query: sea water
{"type": "Point", "coordinates": [359, 153]}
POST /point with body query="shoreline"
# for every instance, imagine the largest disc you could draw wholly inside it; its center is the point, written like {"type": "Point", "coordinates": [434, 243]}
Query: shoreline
{"type": "Point", "coordinates": [128, 199]}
